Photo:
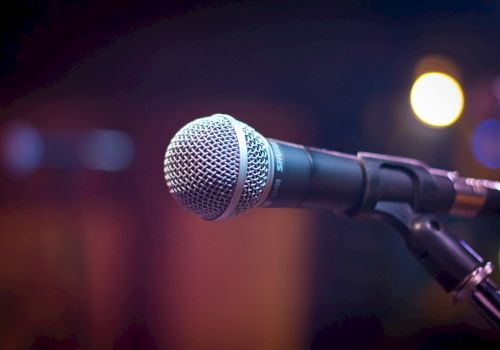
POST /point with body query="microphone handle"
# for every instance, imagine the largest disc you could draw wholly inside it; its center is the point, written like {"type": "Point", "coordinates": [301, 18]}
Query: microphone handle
{"type": "Point", "coordinates": [316, 179]}
{"type": "Point", "coordinates": [307, 177]}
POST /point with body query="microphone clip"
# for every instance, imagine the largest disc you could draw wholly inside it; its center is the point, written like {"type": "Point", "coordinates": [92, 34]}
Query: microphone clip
{"type": "Point", "coordinates": [411, 180]}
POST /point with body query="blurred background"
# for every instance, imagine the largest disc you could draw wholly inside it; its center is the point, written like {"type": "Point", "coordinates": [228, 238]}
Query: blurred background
{"type": "Point", "coordinates": [95, 253]}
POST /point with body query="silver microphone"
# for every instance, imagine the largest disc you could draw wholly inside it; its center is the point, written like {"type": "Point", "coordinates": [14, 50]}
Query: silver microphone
{"type": "Point", "coordinates": [218, 167]}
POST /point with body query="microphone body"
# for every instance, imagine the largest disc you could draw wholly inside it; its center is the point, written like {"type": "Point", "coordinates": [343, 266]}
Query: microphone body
{"type": "Point", "coordinates": [219, 167]}
{"type": "Point", "coordinates": [313, 178]}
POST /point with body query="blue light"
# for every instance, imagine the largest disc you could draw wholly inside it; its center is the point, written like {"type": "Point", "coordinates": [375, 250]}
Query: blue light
{"type": "Point", "coordinates": [485, 143]}
{"type": "Point", "coordinates": [107, 150]}
{"type": "Point", "coordinates": [23, 149]}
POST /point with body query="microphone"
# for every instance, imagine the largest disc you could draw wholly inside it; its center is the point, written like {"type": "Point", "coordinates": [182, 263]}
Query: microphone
{"type": "Point", "coordinates": [218, 167]}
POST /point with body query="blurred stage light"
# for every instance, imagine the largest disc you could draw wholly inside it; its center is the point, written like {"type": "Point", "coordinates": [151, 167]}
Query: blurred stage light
{"type": "Point", "coordinates": [23, 149]}
{"type": "Point", "coordinates": [437, 99]}
{"type": "Point", "coordinates": [485, 143]}
{"type": "Point", "coordinates": [107, 150]}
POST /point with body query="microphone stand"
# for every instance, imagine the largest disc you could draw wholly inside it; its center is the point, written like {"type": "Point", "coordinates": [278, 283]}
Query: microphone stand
{"type": "Point", "coordinates": [456, 267]}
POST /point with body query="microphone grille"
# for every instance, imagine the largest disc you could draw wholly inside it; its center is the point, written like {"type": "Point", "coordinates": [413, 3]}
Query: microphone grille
{"type": "Point", "coordinates": [217, 167]}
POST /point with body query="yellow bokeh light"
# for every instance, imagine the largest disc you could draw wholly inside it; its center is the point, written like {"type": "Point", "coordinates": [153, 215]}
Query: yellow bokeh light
{"type": "Point", "coordinates": [437, 99]}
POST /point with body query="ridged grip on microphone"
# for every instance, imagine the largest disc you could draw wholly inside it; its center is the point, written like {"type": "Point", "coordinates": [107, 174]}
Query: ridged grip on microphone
{"type": "Point", "coordinates": [218, 167]}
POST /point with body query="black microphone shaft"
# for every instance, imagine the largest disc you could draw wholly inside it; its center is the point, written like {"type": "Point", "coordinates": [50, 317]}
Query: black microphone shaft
{"type": "Point", "coordinates": [314, 178]}
{"type": "Point", "coordinates": [309, 178]}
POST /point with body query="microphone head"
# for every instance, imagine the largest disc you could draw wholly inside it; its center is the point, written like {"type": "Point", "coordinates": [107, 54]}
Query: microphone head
{"type": "Point", "coordinates": [218, 167]}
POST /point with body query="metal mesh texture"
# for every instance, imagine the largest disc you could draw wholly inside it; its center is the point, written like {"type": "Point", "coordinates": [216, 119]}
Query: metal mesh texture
{"type": "Point", "coordinates": [257, 170]}
{"type": "Point", "coordinates": [202, 166]}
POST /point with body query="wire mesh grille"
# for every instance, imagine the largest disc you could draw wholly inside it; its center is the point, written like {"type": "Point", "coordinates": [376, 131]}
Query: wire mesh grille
{"type": "Point", "coordinates": [202, 165]}
{"type": "Point", "coordinates": [257, 170]}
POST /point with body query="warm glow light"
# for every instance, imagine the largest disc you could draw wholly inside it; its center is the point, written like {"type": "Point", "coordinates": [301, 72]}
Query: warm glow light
{"type": "Point", "coordinates": [437, 99]}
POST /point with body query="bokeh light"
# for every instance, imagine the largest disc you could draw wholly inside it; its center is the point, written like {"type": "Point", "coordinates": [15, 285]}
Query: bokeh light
{"type": "Point", "coordinates": [485, 143]}
{"type": "Point", "coordinates": [22, 149]}
{"type": "Point", "coordinates": [107, 150]}
{"type": "Point", "coordinates": [437, 99]}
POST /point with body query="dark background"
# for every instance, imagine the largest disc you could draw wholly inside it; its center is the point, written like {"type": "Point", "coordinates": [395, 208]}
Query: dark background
{"type": "Point", "coordinates": [93, 259]}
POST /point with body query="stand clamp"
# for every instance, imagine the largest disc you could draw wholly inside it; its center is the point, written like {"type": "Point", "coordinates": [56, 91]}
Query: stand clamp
{"type": "Point", "coordinates": [456, 266]}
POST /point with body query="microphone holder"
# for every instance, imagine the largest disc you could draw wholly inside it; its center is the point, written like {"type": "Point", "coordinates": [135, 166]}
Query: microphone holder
{"type": "Point", "coordinates": [456, 267]}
